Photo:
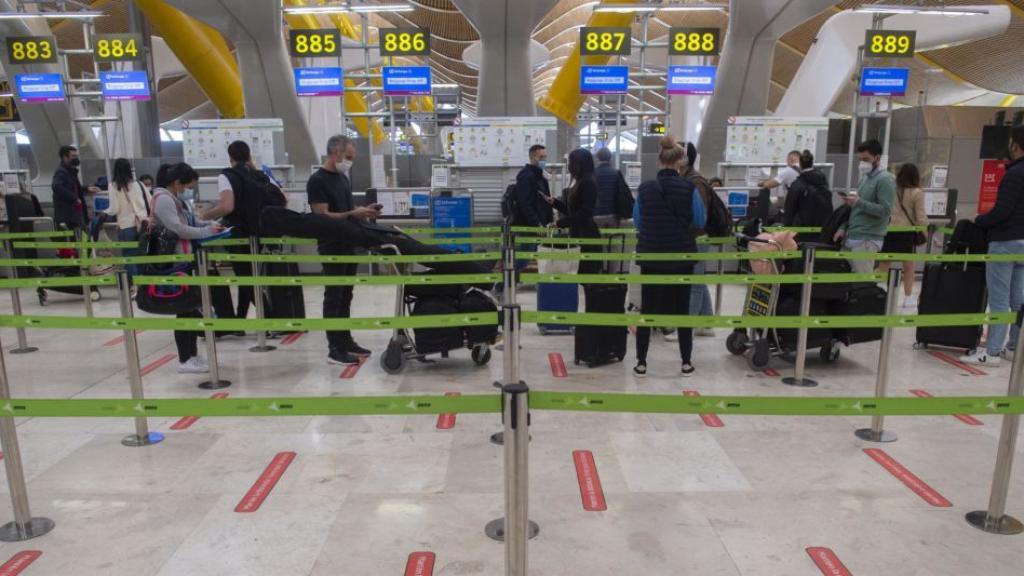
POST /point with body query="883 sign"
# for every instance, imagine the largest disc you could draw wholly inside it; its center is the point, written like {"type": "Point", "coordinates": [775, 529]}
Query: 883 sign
{"type": "Point", "coordinates": [31, 49]}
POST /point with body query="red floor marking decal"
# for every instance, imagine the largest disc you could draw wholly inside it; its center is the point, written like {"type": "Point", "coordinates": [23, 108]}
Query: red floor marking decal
{"type": "Point", "coordinates": [156, 364]}
{"type": "Point", "coordinates": [710, 420]}
{"type": "Point", "coordinates": [827, 561]}
{"type": "Point", "coordinates": [420, 564]}
{"type": "Point", "coordinates": [966, 419]}
{"type": "Point", "coordinates": [292, 338]}
{"type": "Point", "coordinates": [351, 370]}
{"type": "Point", "coordinates": [188, 421]}
{"type": "Point", "coordinates": [590, 483]}
{"type": "Point", "coordinates": [19, 562]}
{"type": "Point", "coordinates": [557, 365]}
{"type": "Point", "coordinates": [119, 340]}
{"type": "Point", "coordinates": [950, 360]}
{"type": "Point", "coordinates": [266, 482]}
{"type": "Point", "coordinates": [447, 421]}
{"type": "Point", "coordinates": [772, 372]}
{"type": "Point", "coordinates": [926, 492]}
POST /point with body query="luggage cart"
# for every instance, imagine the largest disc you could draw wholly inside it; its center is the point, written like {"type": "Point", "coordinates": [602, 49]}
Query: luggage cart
{"type": "Point", "coordinates": [45, 224]}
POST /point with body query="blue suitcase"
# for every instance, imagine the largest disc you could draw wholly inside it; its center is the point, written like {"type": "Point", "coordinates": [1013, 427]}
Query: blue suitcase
{"type": "Point", "coordinates": [557, 298]}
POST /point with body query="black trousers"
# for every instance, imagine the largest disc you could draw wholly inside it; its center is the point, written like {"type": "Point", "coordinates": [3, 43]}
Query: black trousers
{"type": "Point", "coordinates": [246, 294]}
{"type": "Point", "coordinates": [664, 299]}
{"type": "Point", "coordinates": [338, 299]}
{"type": "Point", "coordinates": [187, 341]}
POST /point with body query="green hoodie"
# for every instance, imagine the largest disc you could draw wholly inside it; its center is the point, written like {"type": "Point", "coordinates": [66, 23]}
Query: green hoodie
{"type": "Point", "coordinates": [869, 217]}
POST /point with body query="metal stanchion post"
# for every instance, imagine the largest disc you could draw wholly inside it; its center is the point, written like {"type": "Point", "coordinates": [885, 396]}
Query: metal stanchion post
{"type": "Point", "coordinates": [261, 335]}
{"type": "Point", "coordinates": [995, 519]}
{"type": "Point", "coordinates": [23, 347]}
{"type": "Point", "coordinates": [718, 287]}
{"type": "Point", "coordinates": [510, 360]}
{"type": "Point", "coordinates": [877, 433]}
{"type": "Point", "coordinates": [142, 436]}
{"type": "Point", "coordinates": [798, 378]}
{"type": "Point", "coordinates": [84, 271]}
{"type": "Point", "coordinates": [24, 527]}
{"type": "Point", "coordinates": [215, 382]}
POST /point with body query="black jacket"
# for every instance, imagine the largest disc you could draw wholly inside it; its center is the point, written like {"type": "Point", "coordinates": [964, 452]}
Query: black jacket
{"type": "Point", "coordinates": [608, 185]}
{"type": "Point", "coordinates": [808, 200]}
{"type": "Point", "coordinates": [579, 210]}
{"type": "Point", "coordinates": [67, 192]}
{"type": "Point", "coordinates": [1005, 221]}
{"type": "Point", "coordinates": [665, 222]}
{"type": "Point", "coordinates": [531, 210]}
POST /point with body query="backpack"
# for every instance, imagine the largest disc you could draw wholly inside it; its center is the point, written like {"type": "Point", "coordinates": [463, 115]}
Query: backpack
{"type": "Point", "coordinates": [719, 220]}
{"type": "Point", "coordinates": [815, 203]}
{"type": "Point", "coordinates": [836, 220]}
{"type": "Point", "coordinates": [623, 200]}
{"type": "Point", "coordinates": [508, 202]}
{"type": "Point", "coordinates": [257, 192]}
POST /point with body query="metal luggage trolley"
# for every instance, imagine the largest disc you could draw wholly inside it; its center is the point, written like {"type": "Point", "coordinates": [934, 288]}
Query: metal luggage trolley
{"type": "Point", "coordinates": [402, 346]}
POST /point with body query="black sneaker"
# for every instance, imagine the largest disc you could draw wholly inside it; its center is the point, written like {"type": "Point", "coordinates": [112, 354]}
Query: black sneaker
{"type": "Point", "coordinates": [358, 350]}
{"type": "Point", "coordinates": [225, 334]}
{"type": "Point", "coordinates": [340, 357]}
{"type": "Point", "coordinates": [687, 370]}
{"type": "Point", "coordinates": [640, 370]}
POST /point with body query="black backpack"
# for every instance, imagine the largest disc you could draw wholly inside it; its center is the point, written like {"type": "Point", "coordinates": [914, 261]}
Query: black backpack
{"type": "Point", "coordinates": [815, 205]}
{"type": "Point", "coordinates": [508, 202]}
{"type": "Point", "coordinates": [253, 192]}
{"type": "Point", "coordinates": [623, 199]}
{"type": "Point", "coordinates": [719, 219]}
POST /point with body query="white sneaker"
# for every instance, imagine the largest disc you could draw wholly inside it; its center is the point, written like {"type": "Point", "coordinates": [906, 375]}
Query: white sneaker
{"type": "Point", "coordinates": [704, 332]}
{"type": "Point", "coordinates": [193, 365]}
{"type": "Point", "coordinates": [910, 302]}
{"type": "Point", "coordinates": [672, 336]}
{"type": "Point", "coordinates": [1006, 354]}
{"type": "Point", "coordinates": [980, 358]}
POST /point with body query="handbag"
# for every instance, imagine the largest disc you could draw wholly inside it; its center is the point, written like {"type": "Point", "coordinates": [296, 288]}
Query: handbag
{"type": "Point", "coordinates": [549, 266]}
{"type": "Point", "coordinates": [158, 240]}
{"type": "Point", "coordinates": [919, 237]}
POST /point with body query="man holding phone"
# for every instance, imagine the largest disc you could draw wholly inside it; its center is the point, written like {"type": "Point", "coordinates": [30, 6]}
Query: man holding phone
{"type": "Point", "coordinates": [870, 207]}
{"type": "Point", "coordinates": [330, 193]}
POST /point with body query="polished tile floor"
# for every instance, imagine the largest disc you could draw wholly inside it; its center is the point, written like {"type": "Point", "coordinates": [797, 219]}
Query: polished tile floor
{"type": "Point", "coordinates": [747, 498]}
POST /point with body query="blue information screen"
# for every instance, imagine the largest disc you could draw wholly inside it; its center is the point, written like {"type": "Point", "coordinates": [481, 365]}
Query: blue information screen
{"type": "Point", "coordinates": [452, 212]}
{"type": "Point", "coordinates": [738, 201]}
{"type": "Point", "coordinates": [604, 79]}
{"type": "Point", "coordinates": [691, 80]}
{"type": "Point", "coordinates": [39, 87]}
{"type": "Point", "coordinates": [407, 81]}
{"type": "Point", "coordinates": [130, 85]}
{"type": "Point", "coordinates": [319, 82]}
{"type": "Point", "coordinates": [884, 81]}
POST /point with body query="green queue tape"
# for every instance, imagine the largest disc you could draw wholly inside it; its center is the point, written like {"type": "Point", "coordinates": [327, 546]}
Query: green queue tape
{"type": "Point", "coordinates": [424, 280]}
{"type": "Point", "coordinates": [944, 230]}
{"type": "Point", "coordinates": [288, 241]}
{"type": "Point", "coordinates": [31, 235]}
{"type": "Point", "coordinates": [805, 229]}
{"type": "Point", "coordinates": [284, 325]}
{"type": "Point", "coordinates": [77, 245]}
{"type": "Point", "coordinates": [708, 279]}
{"type": "Point", "coordinates": [64, 282]}
{"type": "Point", "coordinates": [370, 259]}
{"type": "Point", "coordinates": [673, 321]}
{"type": "Point", "coordinates": [465, 240]}
{"type": "Point", "coordinates": [476, 230]}
{"type": "Point", "coordinates": [884, 256]}
{"type": "Point", "coordinates": [658, 257]}
{"type": "Point", "coordinates": [223, 242]}
{"type": "Point", "coordinates": [571, 241]}
{"type": "Point", "coordinates": [83, 262]}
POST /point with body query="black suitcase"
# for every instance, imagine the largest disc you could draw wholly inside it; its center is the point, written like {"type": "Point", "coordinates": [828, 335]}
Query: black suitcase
{"type": "Point", "coordinates": [865, 300]}
{"type": "Point", "coordinates": [599, 345]}
{"type": "Point", "coordinates": [951, 289]}
{"type": "Point", "coordinates": [283, 301]}
{"type": "Point", "coordinates": [437, 340]}
{"type": "Point", "coordinates": [473, 301]}
{"type": "Point", "coordinates": [816, 337]}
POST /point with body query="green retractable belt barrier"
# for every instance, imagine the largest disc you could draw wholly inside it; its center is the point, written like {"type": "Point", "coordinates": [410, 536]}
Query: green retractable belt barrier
{"type": "Point", "coordinates": [83, 262]}
{"type": "Point", "coordinates": [225, 242]}
{"type": "Point", "coordinates": [431, 231]}
{"type": "Point", "coordinates": [282, 325]}
{"type": "Point", "coordinates": [466, 240]}
{"type": "Point", "coordinates": [658, 257]}
{"type": "Point", "coordinates": [63, 282]}
{"type": "Point", "coordinates": [31, 235]}
{"type": "Point", "coordinates": [370, 259]}
{"type": "Point", "coordinates": [425, 280]}
{"type": "Point", "coordinates": [711, 279]}
{"type": "Point", "coordinates": [884, 256]}
{"type": "Point", "coordinates": [77, 245]}
{"type": "Point", "coordinates": [671, 321]}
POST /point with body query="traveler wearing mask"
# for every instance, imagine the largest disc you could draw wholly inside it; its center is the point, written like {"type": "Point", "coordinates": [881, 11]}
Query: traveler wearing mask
{"type": "Point", "coordinates": [129, 203]}
{"type": "Point", "coordinates": [1004, 280]}
{"type": "Point", "coordinates": [69, 207]}
{"type": "Point", "coordinates": [330, 193]}
{"type": "Point", "coordinates": [870, 207]}
{"type": "Point", "coordinates": [531, 184]}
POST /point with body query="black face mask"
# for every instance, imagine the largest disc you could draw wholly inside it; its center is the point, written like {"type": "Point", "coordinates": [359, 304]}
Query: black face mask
{"type": "Point", "coordinates": [76, 162]}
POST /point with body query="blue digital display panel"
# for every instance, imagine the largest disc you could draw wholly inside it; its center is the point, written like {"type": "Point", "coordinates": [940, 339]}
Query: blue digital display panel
{"type": "Point", "coordinates": [319, 82]}
{"type": "Point", "coordinates": [604, 79]}
{"type": "Point", "coordinates": [884, 81]}
{"type": "Point", "coordinates": [129, 85]}
{"type": "Point", "coordinates": [407, 81]}
{"type": "Point", "coordinates": [39, 87]}
{"type": "Point", "coordinates": [691, 80]}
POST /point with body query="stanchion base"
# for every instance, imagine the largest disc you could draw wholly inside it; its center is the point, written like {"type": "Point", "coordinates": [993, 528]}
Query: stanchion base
{"type": "Point", "coordinates": [136, 441]}
{"type": "Point", "coordinates": [25, 350]}
{"type": "Point", "coordinates": [869, 435]}
{"type": "Point", "coordinates": [211, 385]}
{"type": "Point", "coordinates": [495, 529]}
{"type": "Point", "coordinates": [264, 348]}
{"type": "Point", "coordinates": [1006, 525]}
{"type": "Point", "coordinates": [801, 382]}
{"type": "Point", "coordinates": [35, 528]}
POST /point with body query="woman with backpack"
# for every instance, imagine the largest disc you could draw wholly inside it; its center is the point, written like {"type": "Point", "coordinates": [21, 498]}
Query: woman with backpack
{"type": "Point", "coordinates": [129, 203]}
{"type": "Point", "coordinates": [174, 183]}
{"type": "Point", "coordinates": [667, 213]}
{"type": "Point", "coordinates": [908, 210]}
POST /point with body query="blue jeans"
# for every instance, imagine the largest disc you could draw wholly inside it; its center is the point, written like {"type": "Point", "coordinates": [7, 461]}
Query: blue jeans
{"type": "Point", "coordinates": [129, 235]}
{"type": "Point", "coordinates": [700, 294]}
{"type": "Point", "coordinates": [1005, 282]}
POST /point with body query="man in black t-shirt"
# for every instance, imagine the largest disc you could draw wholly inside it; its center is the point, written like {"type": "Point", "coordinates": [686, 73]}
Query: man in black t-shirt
{"type": "Point", "coordinates": [330, 193]}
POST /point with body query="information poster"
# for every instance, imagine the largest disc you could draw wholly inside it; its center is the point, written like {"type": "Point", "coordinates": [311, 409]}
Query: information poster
{"type": "Point", "coordinates": [691, 80]}
{"type": "Point", "coordinates": [499, 141]}
{"type": "Point", "coordinates": [407, 81]}
{"type": "Point", "coordinates": [452, 212]}
{"type": "Point", "coordinates": [403, 203]}
{"type": "Point", "coordinates": [992, 172]}
{"type": "Point", "coordinates": [205, 142]}
{"type": "Point", "coordinates": [35, 88]}
{"type": "Point", "coordinates": [940, 172]}
{"type": "Point", "coordinates": [884, 81]}
{"type": "Point", "coordinates": [313, 82]}
{"type": "Point", "coordinates": [439, 176]}
{"type": "Point", "coordinates": [767, 139]}
{"type": "Point", "coordinates": [604, 79]}
{"type": "Point", "coordinates": [936, 204]}
{"type": "Point", "coordinates": [127, 85]}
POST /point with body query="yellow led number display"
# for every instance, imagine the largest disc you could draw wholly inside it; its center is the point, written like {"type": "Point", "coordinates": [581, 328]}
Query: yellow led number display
{"type": "Point", "coordinates": [694, 41]}
{"type": "Point", "coordinates": [31, 49]}
{"type": "Point", "coordinates": [314, 43]}
{"type": "Point", "coordinates": [117, 47]}
{"type": "Point", "coordinates": [404, 42]}
{"type": "Point", "coordinates": [889, 43]}
{"type": "Point", "coordinates": [605, 41]}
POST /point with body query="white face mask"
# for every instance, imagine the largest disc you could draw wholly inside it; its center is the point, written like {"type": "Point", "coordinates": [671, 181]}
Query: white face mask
{"type": "Point", "coordinates": [345, 166]}
{"type": "Point", "coordinates": [188, 194]}
{"type": "Point", "coordinates": [865, 168]}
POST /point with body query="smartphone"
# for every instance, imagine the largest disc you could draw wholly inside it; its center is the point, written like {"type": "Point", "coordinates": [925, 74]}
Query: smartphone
{"type": "Point", "coordinates": [842, 193]}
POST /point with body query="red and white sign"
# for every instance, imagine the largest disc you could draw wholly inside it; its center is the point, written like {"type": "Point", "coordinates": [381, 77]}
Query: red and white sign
{"type": "Point", "coordinates": [420, 564]}
{"type": "Point", "coordinates": [965, 418]}
{"type": "Point", "coordinates": [188, 421]}
{"type": "Point", "coordinates": [254, 498]}
{"type": "Point", "coordinates": [590, 483]}
{"type": "Point", "coordinates": [992, 172]}
{"type": "Point", "coordinates": [19, 562]}
{"type": "Point", "coordinates": [710, 420]}
{"type": "Point", "coordinates": [827, 561]}
{"type": "Point", "coordinates": [918, 486]}
{"type": "Point", "coordinates": [447, 421]}
{"type": "Point", "coordinates": [557, 365]}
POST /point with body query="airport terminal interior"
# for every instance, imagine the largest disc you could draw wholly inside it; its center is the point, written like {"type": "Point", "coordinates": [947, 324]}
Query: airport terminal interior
{"type": "Point", "coordinates": [481, 287]}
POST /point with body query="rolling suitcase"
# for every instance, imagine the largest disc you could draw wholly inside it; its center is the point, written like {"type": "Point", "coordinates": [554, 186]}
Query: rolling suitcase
{"type": "Point", "coordinates": [283, 301]}
{"type": "Point", "coordinates": [867, 300]}
{"type": "Point", "coordinates": [599, 345]}
{"type": "Point", "coordinates": [951, 289]}
{"type": "Point", "coordinates": [557, 298]}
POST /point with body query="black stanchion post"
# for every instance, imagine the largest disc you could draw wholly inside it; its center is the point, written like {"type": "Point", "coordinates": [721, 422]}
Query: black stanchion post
{"type": "Point", "coordinates": [23, 347]}
{"type": "Point", "coordinates": [798, 378]}
{"type": "Point", "coordinates": [24, 526]}
{"type": "Point", "coordinates": [84, 271]}
{"type": "Point", "coordinates": [877, 432]}
{"type": "Point", "coordinates": [142, 436]}
{"type": "Point", "coordinates": [215, 382]}
{"type": "Point", "coordinates": [261, 335]}
{"type": "Point", "coordinates": [995, 520]}
{"type": "Point", "coordinates": [718, 286]}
